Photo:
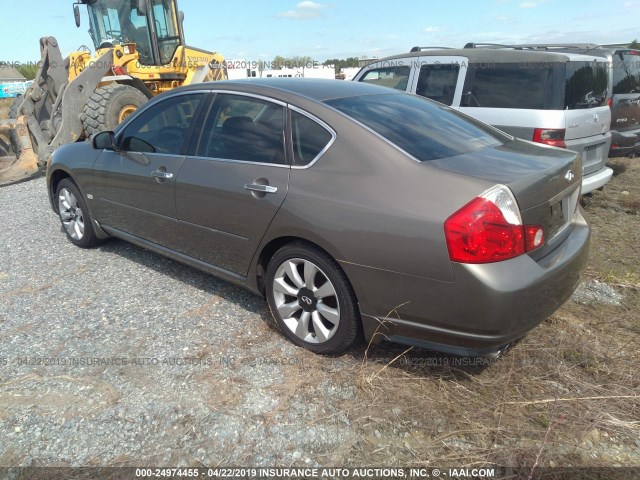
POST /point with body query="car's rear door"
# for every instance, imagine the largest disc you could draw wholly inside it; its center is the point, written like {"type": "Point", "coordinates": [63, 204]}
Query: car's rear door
{"type": "Point", "coordinates": [134, 187]}
{"type": "Point", "coordinates": [233, 183]}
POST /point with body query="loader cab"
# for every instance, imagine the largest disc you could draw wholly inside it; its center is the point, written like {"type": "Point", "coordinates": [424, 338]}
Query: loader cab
{"type": "Point", "coordinates": [155, 26]}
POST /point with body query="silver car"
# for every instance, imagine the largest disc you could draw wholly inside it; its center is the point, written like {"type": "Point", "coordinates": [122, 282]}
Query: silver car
{"type": "Point", "coordinates": [359, 212]}
{"type": "Point", "coordinates": [552, 98]}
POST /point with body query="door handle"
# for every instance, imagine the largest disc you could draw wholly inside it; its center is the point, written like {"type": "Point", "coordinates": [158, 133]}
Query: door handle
{"type": "Point", "coordinates": [162, 175]}
{"type": "Point", "coordinates": [256, 187]}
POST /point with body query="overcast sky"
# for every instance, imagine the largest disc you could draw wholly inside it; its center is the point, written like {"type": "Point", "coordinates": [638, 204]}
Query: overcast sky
{"type": "Point", "coordinates": [260, 30]}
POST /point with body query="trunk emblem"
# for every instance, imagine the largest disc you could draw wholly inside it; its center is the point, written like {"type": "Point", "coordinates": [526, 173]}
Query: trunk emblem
{"type": "Point", "coordinates": [596, 118]}
{"type": "Point", "coordinates": [569, 176]}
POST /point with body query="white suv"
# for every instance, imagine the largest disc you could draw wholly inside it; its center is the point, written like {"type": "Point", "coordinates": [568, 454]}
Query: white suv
{"type": "Point", "coordinates": [557, 99]}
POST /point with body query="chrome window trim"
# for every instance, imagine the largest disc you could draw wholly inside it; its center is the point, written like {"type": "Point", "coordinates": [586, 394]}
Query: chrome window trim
{"type": "Point", "coordinates": [323, 124]}
{"type": "Point", "coordinates": [230, 160]}
{"type": "Point", "coordinates": [252, 95]}
{"type": "Point", "coordinates": [245, 162]}
{"type": "Point", "coordinates": [120, 129]}
{"type": "Point", "coordinates": [149, 104]}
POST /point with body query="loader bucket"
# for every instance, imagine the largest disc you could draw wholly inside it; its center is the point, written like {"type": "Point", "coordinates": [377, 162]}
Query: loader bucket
{"type": "Point", "coordinates": [17, 159]}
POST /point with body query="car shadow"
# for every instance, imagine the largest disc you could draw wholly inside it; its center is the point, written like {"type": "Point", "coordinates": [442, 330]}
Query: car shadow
{"type": "Point", "coordinates": [618, 168]}
{"type": "Point", "coordinates": [187, 275]}
{"type": "Point", "coordinates": [411, 360]}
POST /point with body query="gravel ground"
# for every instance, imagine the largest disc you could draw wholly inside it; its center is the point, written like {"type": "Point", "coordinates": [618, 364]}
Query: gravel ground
{"type": "Point", "coordinates": [116, 355]}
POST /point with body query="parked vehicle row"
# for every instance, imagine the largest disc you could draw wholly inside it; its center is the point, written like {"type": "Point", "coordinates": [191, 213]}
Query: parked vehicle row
{"type": "Point", "coordinates": [624, 90]}
{"type": "Point", "coordinates": [358, 211]}
{"type": "Point", "coordinates": [553, 98]}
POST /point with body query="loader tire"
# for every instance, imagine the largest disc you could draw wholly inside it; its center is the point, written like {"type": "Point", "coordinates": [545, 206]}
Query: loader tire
{"type": "Point", "coordinates": [109, 106]}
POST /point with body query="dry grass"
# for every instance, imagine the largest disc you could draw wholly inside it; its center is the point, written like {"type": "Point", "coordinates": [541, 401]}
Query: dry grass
{"type": "Point", "coordinates": [568, 394]}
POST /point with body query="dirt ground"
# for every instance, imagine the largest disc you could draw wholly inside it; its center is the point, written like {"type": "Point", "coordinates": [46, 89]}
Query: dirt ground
{"type": "Point", "coordinates": [565, 395]}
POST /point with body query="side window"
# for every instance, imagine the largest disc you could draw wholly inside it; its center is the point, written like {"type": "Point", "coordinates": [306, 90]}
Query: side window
{"type": "Point", "coordinates": [394, 77]}
{"type": "Point", "coordinates": [243, 128]}
{"type": "Point", "coordinates": [164, 127]}
{"type": "Point", "coordinates": [309, 139]}
{"type": "Point", "coordinates": [438, 82]}
{"type": "Point", "coordinates": [512, 85]}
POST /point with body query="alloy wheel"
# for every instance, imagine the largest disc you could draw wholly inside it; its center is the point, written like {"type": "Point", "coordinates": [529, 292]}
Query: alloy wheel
{"type": "Point", "coordinates": [71, 214]}
{"type": "Point", "coordinates": [306, 300]}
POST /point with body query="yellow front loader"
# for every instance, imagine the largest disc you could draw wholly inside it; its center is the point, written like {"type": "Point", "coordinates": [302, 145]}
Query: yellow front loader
{"type": "Point", "coordinates": [140, 52]}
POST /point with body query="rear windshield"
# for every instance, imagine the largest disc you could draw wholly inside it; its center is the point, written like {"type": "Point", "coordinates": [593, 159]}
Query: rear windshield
{"type": "Point", "coordinates": [626, 72]}
{"type": "Point", "coordinates": [536, 85]}
{"type": "Point", "coordinates": [418, 126]}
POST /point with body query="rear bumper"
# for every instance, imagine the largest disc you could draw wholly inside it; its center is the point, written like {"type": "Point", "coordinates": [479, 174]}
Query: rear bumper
{"type": "Point", "coordinates": [624, 143]}
{"type": "Point", "coordinates": [594, 151]}
{"type": "Point", "coordinates": [483, 309]}
{"type": "Point", "coordinates": [596, 180]}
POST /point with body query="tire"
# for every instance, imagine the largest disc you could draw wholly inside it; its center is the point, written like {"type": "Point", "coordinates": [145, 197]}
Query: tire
{"type": "Point", "coordinates": [312, 300]}
{"type": "Point", "coordinates": [109, 106]}
{"type": "Point", "coordinates": [74, 215]}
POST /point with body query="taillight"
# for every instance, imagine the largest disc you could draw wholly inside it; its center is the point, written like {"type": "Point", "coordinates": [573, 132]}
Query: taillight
{"type": "Point", "coordinates": [610, 102]}
{"type": "Point", "coordinates": [489, 229]}
{"type": "Point", "coordinates": [550, 136]}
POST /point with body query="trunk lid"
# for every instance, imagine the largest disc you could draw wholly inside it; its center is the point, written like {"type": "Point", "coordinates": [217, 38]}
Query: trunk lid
{"type": "Point", "coordinates": [544, 180]}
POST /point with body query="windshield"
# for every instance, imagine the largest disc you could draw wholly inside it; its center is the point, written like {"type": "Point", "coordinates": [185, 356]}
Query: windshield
{"type": "Point", "coordinates": [118, 22]}
{"type": "Point", "coordinates": [626, 72]}
{"type": "Point", "coordinates": [422, 128]}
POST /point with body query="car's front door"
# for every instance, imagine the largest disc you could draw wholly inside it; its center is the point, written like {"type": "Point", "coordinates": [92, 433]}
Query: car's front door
{"type": "Point", "coordinates": [230, 189]}
{"type": "Point", "coordinates": [135, 186]}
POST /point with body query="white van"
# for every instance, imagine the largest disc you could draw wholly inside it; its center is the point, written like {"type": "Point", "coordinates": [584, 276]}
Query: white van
{"type": "Point", "coordinates": [558, 99]}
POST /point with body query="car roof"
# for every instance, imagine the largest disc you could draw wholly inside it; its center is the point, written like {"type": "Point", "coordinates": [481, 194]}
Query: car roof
{"type": "Point", "coordinates": [488, 55]}
{"type": "Point", "coordinates": [315, 89]}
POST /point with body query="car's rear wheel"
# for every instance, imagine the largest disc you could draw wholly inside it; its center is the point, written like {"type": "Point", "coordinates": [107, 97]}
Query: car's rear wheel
{"type": "Point", "coordinates": [74, 215]}
{"type": "Point", "coordinates": [311, 299]}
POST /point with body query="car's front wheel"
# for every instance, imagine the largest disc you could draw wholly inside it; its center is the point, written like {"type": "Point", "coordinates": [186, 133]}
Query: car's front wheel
{"type": "Point", "coordinates": [311, 299]}
{"type": "Point", "coordinates": [74, 215]}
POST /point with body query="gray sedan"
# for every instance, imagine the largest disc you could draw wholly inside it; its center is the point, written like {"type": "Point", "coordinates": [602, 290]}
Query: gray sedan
{"type": "Point", "coordinates": [358, 211]}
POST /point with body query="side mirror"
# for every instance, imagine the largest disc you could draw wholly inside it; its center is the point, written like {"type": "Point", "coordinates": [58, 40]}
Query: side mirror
{"type": "Point", "coordinates": [76, 14]}
{"type": "Point", "coordinates": [104, 141]}
{"type": "Point", "coordinates": [181, 17]}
